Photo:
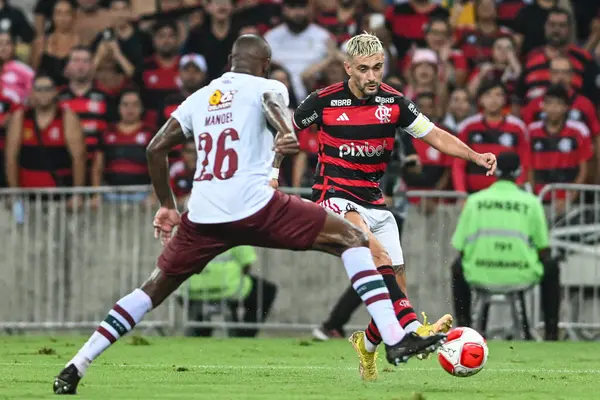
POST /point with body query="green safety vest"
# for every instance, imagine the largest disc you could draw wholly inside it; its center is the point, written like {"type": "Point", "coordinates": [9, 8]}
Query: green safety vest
{"type": "Point", "coordinates": [224, 277]}
{"type": "Point", "coordinates": [500, 231]}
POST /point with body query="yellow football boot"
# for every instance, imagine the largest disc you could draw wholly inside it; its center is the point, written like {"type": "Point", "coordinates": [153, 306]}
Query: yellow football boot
{"type": "Point", "coordinates": [443, 325]}
{"type": "Point", "coordinates": [367, 362]}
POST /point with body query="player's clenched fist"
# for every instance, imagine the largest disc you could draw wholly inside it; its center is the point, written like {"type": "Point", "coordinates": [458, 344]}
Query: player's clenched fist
{"type": "Point", "coordinates": [165, 220]}
{"type": "Point", "coordinates": [286, 144]}
{"type": "Point", "coordinates": [486, 160]}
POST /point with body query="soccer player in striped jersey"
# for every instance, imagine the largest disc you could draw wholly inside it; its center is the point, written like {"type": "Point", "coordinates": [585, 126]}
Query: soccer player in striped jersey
{"type": "Point", "coordinates": [357, 122]}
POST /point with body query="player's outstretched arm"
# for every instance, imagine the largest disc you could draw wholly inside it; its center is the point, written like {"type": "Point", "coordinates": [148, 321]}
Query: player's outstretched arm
{"type": "Point", "coordinates": [170, 135]}
{"type": "Point", "coordinates": [449, 144]}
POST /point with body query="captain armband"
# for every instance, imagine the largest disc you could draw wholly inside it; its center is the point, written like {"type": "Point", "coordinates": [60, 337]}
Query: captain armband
{"type": "Point", "coordinates": [420, 127]}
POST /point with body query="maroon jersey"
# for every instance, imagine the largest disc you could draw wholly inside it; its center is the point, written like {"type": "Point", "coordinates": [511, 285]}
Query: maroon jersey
{"type": "Point", "coordinates": [535, 77]}
{"type": "Point", "coordinates": [181, 179]}
{"type": "Point", "coordinates": [125, 156]}
{"type": "Point", "coordinates": [582, 110]}
{"type": "Point", "coordinates": [356, 138]}
{"type": "Point", "coordinates": [477, 46]}
{"type": "Point", "coordinates": [508, 135]}
{"type": "Point", "coordinates": [556, 158]}
{"type": "Point", "coordinates": [91, 108]}
{"type": "Point", "coordinates": [159, 82]}
{"type": "Point", "coordinates": [41, 162]}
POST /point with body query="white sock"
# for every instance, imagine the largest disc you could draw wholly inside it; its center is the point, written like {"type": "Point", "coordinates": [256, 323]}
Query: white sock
{"type": "Point", "coordinates": [412, 327]}
{"type": "Point", "coordinates": [371, 288]}
{"type": "Point", "coordinates": [121, 319]}
{"type": "Point", "coordinates": [370, 347]}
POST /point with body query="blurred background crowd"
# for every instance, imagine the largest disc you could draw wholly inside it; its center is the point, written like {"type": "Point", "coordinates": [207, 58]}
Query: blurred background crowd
{"type": "Point", "coordinates": [84, 84]}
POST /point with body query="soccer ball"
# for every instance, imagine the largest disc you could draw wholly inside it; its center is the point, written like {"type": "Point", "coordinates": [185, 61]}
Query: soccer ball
{"type": "Point", "coordinates": [464, 354]}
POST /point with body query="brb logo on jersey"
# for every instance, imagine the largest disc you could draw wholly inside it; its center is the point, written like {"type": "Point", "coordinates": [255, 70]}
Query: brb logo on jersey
{"type": "Point", "coordinates": [383, 114]}
{"type": "Point", "coordinates": [220, 100]}
{"type": "Point", "coordinates": [364, 150]}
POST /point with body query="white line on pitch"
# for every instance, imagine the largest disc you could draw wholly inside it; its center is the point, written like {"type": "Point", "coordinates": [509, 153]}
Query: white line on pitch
{"type": "Point", "coordinates": [315, 368]}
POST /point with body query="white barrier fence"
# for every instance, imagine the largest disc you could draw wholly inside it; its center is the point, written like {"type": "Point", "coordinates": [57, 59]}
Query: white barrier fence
{"type": "Point", "coordinates": [575, 238]}
{"type": "Point", "coordinates": [63, 269]}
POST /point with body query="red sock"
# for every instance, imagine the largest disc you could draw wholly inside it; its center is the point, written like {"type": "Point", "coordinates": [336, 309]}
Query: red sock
{"type": "Point", "coordinates": [404, 310]}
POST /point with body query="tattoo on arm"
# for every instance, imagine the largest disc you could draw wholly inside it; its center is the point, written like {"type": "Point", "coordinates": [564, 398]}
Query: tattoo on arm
{"type": "Point", "coordinates": [170, 135]}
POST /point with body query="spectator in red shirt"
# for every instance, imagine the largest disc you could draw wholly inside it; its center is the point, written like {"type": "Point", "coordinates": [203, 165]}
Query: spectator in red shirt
{"type": "Point", "coordinates": [434, 173]}
{"type": "Point", "coordinates": [343, 20]}
{"type": "Point", "coordinates": [536, 74]}
{"type": "Point", "coordinates": [504, 67]}
{"type": "Point", "coordinates": [159, 72]}
{"type": "Point", "coordinates": [407, 22]}
{"type": "Point", "coordinates": [122, 155]}
{"type": "Point", "coordinates": [476, 43]}
{"type": "Point", "coordinates": [306, 160]}
{"type": "Point", "coordinates": [490, 131]}
{"type": "Point", "coordinates": [181, 173]}
{"type": "Point", "coordinates": [560, 149]}
{"type": "Point", "coordinates": [581, 108]}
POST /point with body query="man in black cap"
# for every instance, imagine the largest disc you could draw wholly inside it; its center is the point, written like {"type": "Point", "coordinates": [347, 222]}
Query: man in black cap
{"type": "Point", "coordinates": [502, 237]}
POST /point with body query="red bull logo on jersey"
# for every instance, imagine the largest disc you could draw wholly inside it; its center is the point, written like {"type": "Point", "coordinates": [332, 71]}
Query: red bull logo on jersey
{"type": "Point", "coordinates": [362, 150]}
{"type": "Point", "coordinates": [220, 100]}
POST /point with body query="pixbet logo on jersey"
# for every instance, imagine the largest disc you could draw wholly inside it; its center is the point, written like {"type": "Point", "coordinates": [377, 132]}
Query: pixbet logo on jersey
{"type": "Point", "coordinates": [364, 150]}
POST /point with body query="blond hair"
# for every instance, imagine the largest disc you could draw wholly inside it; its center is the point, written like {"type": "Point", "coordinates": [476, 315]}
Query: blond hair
{"type": "Point", "coordinates": [364, 45]}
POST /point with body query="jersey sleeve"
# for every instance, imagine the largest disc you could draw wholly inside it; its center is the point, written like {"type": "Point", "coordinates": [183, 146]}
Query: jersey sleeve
{"type": "Point", "coordinates": [308, 112]}
{"type": "Point", "coordinates": [183, 114]}
{"type": "Point", "coordinates": [273, 86]}
{"type": "Point", "coordinates": [412, 120]}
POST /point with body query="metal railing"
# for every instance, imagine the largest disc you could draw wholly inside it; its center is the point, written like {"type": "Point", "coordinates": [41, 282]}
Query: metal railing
{"type": "Point", "coordinates": [63, 268]}
{"type": "Point", "coordinates": [575, 239]}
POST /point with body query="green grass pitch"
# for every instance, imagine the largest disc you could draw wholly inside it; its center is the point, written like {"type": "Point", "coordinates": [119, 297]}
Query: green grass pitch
{"type": "Point", "coordinates": [269, 369]}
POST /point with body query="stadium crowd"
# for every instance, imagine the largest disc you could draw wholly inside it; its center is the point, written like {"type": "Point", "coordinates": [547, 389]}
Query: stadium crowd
{"type": "Point", "coordinates": [84, 88]}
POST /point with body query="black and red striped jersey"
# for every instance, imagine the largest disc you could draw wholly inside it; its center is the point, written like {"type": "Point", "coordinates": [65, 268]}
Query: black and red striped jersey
{"type": "Point", "coordinates": [92, 109]}
{"type": "Point", "coordinates": [510, 134]}
{"type": "Point", "coordinates": [356, 138]}
{"type": "Point", "coordinates": [581, 109]}
{"type": "Point", "coordinates": [535, 77]}
{"type": "Point", "coordinates": [125, 156]}
{"type": "Point", "coordinates": [557, 158]}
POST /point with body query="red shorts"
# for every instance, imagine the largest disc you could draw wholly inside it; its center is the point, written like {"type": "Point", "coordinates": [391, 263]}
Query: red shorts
{"type": "Point", "coordinates": [286, 222]}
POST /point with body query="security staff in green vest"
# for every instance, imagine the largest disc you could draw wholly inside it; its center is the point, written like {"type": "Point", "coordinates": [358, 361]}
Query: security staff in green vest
{"type": "Point", "coordinates": [226, 278]}
{"type": "Point", "coordinates": [502, 236]}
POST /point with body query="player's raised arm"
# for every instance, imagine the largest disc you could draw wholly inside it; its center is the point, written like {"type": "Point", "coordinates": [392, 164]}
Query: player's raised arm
{"type": "Point", "coordinates": [170, 135]}
{"type": "Point", "coordinates": [419, 126]}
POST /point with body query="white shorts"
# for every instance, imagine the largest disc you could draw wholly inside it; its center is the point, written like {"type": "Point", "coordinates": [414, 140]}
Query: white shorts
{"type": "Point", "coordinates": [381, 223]}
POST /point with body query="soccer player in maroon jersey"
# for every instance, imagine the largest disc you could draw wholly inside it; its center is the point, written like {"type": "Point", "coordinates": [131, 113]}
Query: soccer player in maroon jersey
{"type": "Point", "coordinates": [244, 210]}
{"type": "Point", "coordinates": [357, 122]}
{"type": "Point", "coordinates": [560, 148]}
